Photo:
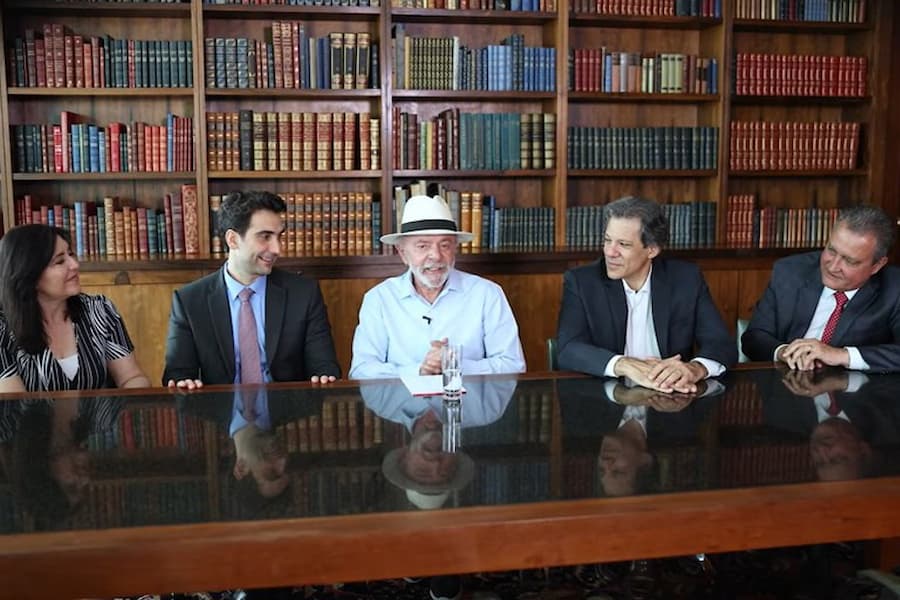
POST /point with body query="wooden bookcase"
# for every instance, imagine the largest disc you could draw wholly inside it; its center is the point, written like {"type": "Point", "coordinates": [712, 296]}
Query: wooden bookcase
{"type": "Point", "coordinates": [531, 279]}
{"type": "Point", "coordinates": [558, 187]}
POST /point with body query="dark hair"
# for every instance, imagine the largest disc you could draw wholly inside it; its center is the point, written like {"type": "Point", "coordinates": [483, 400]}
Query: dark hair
{"type": "Point", "coordinates": [37, 489]}
{"type": "Point", "coordinates": [863, 219]}
{"type": "Point", "coordinates": [25, 252]}
{"type": "Point", "coordinates": [654, 225]}
{"type": "Point", "coordinates": [238, 207]}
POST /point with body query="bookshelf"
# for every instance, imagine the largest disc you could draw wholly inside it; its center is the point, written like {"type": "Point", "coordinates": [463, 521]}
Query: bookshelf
{"type": "Point", "coordinates": [563, 198]}
{"type": "Point", "coordinates": [407, 45]}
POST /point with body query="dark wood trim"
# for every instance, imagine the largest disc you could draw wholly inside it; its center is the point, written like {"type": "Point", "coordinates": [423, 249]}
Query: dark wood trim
{"type": "Point", "coordinates": [486, 263]}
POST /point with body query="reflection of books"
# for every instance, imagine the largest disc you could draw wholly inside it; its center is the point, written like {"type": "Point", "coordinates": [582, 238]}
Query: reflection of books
{"type": "Point", "coordinates": [424, 385]}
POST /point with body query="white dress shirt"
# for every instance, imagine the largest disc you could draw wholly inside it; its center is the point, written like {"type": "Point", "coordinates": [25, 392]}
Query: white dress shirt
{"type": "Point", "coordinates": [640, 332]}
{"type": "Point", "coordinates": [820, 317]}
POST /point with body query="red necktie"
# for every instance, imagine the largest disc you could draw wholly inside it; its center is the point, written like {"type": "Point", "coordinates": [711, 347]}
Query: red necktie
{"type": "Point", "coordinates": [833, 408]}
{"type": "Point", "coordinates": [248, 347]}
{"type": "Point", "coordinates": [840, 299]}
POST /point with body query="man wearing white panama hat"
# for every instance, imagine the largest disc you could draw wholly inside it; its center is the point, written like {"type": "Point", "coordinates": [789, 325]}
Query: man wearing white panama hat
{"type": "Point", "coordinates": [405, 320]}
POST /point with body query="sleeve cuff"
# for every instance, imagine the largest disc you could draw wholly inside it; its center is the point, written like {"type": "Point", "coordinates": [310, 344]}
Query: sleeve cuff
{"type": "Point", "coordinates": [610, 370]}
{"type": "Point", "coordinates": [713, 368]}
{"type": "Point", "coordinates": [856, 360]}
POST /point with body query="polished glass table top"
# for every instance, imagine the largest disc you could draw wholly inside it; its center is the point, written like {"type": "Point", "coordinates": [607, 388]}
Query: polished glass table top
{"type": "Point", "coordinates": [293, 451]}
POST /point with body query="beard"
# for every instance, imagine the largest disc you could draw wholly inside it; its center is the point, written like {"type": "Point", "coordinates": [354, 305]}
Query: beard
{"type": "Point", "coordinates": [423, 278]}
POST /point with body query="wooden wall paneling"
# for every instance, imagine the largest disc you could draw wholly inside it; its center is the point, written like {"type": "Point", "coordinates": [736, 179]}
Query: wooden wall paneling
{"type": "Point", "coordinates": [535, 301]}
{"type": "Point", "coordinates": [145, 309]}
{"type": "Point", "coordinates": [751, 286]}
{"type": "Point", "coordinates": [343, 297]}
{"type": "Point", "coordinates": [723, 286]}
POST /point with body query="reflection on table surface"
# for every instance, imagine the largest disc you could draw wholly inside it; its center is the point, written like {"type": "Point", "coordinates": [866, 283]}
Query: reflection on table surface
{"type": "Point", "coordinates": [104, 461]}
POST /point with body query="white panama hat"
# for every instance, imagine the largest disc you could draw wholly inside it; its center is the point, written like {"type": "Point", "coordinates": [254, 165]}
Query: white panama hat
{"type": "Point", "coordinates": [427, 215]}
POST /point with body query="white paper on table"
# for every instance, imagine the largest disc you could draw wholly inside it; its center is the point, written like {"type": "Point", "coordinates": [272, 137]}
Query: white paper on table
{"type": "Point", "coordinates": [424, 385]}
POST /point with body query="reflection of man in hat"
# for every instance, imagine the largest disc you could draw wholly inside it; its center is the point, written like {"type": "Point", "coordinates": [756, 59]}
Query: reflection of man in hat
{"type": "Point", "coordinates": [423, 469]}
{"type": "Point", "coordinates": [405, 320]}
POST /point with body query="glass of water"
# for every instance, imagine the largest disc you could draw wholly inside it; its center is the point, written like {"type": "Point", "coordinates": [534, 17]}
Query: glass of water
{"type": "Point", "coordinates": [451, 369]}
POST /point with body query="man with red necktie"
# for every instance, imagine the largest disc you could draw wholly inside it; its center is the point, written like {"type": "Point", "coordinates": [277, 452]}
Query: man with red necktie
{"type": "Point", "coordinates": [839, 306]}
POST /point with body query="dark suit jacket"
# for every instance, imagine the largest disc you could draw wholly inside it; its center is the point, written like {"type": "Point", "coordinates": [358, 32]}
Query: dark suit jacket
{"type": "Point", "coordinates": [298, 336]}
{"type": "Point", "coordinates": [593, 316]}
{"type": "Point", "coordinates": [870, 321]}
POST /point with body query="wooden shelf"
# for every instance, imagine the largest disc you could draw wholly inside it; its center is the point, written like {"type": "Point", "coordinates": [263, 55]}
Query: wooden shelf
{"type": "Point", "coordinates": [99, 9]}
{"type": "Point", "coordinates": [806, 173]}
{"type": "Point", "coordinates": [473, 95]}
{"type": "Point", "coordinates": [772, 26]}
{"type": "Point", "coordinates": [638, 22]}
{"type": "Point", "coordinates": [159, 92]}
{"type": "Point", "coordinates": [473, 174]}
{"type": "Point", "coordinates": [265, 93]}
{"type": "Point", "coordinates": [294, 174]}
{"type": "Point", "coordinates": [658, 173]}
{"type": "Point", "coordinates": [312, 13]}
{"type": "Point", "coordinates": [465, 17]}
{"type": "Point", "coordinates": [607, 97]}
{"type": "Point", "coordinates": [142, 176]}
{"type": "Point", "coordinates": [748, 100]}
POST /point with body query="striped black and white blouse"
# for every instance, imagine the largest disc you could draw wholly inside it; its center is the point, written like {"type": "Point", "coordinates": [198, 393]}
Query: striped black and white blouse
{"type": "Point", "coordinates": [100, 337]}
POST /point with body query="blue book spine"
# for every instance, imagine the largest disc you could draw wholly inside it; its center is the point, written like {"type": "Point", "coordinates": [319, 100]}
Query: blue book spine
{"type": "Point", "coordinates": [101, 229]}
{"type": "Point", "coordinates": [101, 144]}
{"type": "Point", "coordinates": [170, 142]}
{"type": "Point", "coordinates": [93, 162]}
{"type": "Point", "coordinates": [79, 228]}
{"type": "Point", "coordinates": [152, 241]}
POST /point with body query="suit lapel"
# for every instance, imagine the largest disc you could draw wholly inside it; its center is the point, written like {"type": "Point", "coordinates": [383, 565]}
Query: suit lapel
{"type": "Point", "coordinates": [660, 296]}
{"type": "Point", "coordinates": [219, 304]}
{"type": "Point", "coordinates": [275, 306]}
{"type": "Point", "coordinates": [856, 307]}
{"type": "Point", "coordinates": [805, 306]}
{"type": "Point", "coordinates": [617, 306]}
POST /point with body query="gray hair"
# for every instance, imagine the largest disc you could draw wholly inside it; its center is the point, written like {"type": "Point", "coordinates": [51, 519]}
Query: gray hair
{"type": "Point", "coordinates": [654, 225]}
{"type": "Point", "coordinates": [870, 220]}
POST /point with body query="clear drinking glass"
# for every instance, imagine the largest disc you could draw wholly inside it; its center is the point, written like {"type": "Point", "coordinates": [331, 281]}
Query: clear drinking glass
{"type": "Point", "coordinates": [451, 369]}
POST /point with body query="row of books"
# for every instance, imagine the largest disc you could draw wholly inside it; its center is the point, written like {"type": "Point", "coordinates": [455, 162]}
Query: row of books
{"type": "Point", "coordinates": [507, 482]}
{"type": "Point", "coordinates": [604, 70]}
{"type": "Point", "coordinates": [343, 425]}
{"type": "Point", "coordinates": [766, 463]}
{"type": "Point", "coordinates": [742, 404]}
{"type": "Point", "coordinates": [74, 146]}
{"type": "Point", "coordinates": [115, 229]}
{"type": "Point", "coordinates": [792, 146]}
{"type": "Point", "coordinates": [512, 5]}
{"type": "Point", "coordinates": [441, 63]}
{"type": "Point", "coordinates": [493, 228]}
{"type": "Point", "coordinates": [56, 58]}
{"type": "Point", "coordinates": [298, 2]}
{"type": "Point", "coordinates": [293, 59]}
{"type": "Point", "coordinates": [691, 225]}
{"type": "Point", "coordinates": [134, 503]}
{"type": "Point", "coordinates": [321, 224]}
{"type": "Point", "coordinates": [150, 427]}
{"type": "Point", "coordinates": [474, 141]}
{"type": "Point", "coordinates": [772, 227]}
{"type": "Point", "coordinates": [650, 8]}
{"type": "Point", "coordinates": [835, 11]}
{"type": "Point", "coordinates": [644, 148]}
{"type": "Point", "coordinates": [800, 75]}
{"type": "Point", "coordinates": [268, 141]}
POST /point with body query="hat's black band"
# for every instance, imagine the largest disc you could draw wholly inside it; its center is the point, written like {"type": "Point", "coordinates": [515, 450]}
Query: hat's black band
{"type": "Point", "coordinates": [427, 224]}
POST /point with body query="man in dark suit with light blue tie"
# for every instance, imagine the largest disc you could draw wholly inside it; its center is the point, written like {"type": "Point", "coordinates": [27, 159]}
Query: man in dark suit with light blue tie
{"type": "Point", "coordinates": [837, 307]}
{"type": "Point", "coordinates": [634, 314]}
{"type": "Point", "coordinates": [293, 337]}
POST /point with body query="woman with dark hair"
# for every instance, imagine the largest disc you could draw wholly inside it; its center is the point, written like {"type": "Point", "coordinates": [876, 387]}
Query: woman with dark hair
{"type": "Point", "coordinates": [53, 337]}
